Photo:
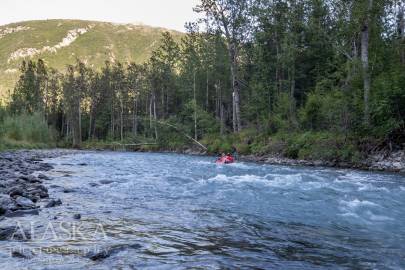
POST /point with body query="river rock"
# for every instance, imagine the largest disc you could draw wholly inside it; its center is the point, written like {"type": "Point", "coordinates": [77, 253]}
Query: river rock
{"type": "Point", "coordinates": [53, 203]}
{"type": "Point", "coordinates": [43, 176]}
{"type": "Point", "coordinates": [22, 213]}
{"type": "Point", "coordinates": [16, 191]}
{"type": "Point", "coordinates": [30, 178]}
{"type": "Point", "coordinates": [93, 184]}
{"type": "Point", "coordinates": [14, 233]}
{"type": "Point", "coordinates": [68, 190]}
{"type": "Point", "coordinates": [23, 254]}
{"type": "Point", "coordinates": [106, 182]}
{"type": "Point", "coordinates": [6, 203]}
{"type": "Point", "coordinates": [107, 252]}
{"type": "Point", "coordinates": [24, 202]}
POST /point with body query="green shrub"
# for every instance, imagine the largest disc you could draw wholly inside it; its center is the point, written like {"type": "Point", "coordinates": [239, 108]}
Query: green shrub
{"type": "Point", "coordinates": [26, 129]}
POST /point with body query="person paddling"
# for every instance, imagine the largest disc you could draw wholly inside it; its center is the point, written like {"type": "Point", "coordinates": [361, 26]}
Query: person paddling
{"type": "Point", "coordinates": [225, 159]}
{"type": "Point", "coordinates": [221, 158]}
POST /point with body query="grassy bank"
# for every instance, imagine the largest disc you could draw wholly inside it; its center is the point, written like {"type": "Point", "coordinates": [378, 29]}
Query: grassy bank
{"type": "Point", "coordinates": [25, 132]}
{"type": "Point", "coordinates": [311, 146]}
{"type": "Point", "coordinates": [32, 132]}
{"type": "Point", "coordinates": [324, 146]}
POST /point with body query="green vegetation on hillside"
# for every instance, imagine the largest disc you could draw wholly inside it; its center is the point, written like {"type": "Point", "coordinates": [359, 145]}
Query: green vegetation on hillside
{"type": "Point", "coordinates": [102, 41]}
{"type": "Point", "coordinates": [299, 79]}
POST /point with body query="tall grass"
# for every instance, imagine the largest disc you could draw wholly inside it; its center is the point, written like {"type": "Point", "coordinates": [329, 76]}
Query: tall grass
{"type": "Point", "coordinates": [25, 131]}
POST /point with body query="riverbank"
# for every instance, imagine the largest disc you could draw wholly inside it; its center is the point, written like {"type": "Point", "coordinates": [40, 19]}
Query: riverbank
{"type": "Point", "coordinates": [393, 162]}
{"type": "Point", "coordinates": [380, 161]}
{"type": "Point", "coordinates": [22, 188]}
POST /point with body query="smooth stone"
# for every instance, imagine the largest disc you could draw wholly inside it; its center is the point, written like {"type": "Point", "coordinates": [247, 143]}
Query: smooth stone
{"type": "Point", "coordinates": [53, 203]}
{"type": "Point", "coordinates": [106, 182]}
{"type": "Point", "coordinates": [22, 213]}
{"type": "Point", "coordinates": [21, 255]}
{"type": "Point", "coordinates": [105, 253]}
{"type": "Point", "coordinates": [13, 233]}
{"type": "Point", "coordinates": [5, 203]}
{"type": "Point", "coordinates": [24, 202]}
{"type": "Point", "coordinates": [43, 176]}
{"type": "Point", "coordinates": [93, 184]}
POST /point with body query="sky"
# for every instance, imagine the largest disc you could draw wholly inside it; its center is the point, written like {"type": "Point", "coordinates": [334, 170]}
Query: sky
{"type": "Point", "coordinates": [171, 14]}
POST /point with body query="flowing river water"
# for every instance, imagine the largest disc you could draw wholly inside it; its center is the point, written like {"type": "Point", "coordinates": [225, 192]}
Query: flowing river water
{"type": "Point", "coordinates": [167, 211]}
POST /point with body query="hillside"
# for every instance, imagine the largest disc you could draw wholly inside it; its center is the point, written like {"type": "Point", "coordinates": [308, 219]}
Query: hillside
{"type": "Point", "coordinates": [61, 42]}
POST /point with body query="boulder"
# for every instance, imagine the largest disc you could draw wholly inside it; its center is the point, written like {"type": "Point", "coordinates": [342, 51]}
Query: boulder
{"type": "Point", "coordinates": [16, 191]}
{"type": "Point", "coordinates": [24, 202]}
{"type": "Point", "coordinates": [6, 203]}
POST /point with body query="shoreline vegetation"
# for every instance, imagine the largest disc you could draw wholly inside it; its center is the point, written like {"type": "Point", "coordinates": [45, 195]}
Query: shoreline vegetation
{"type": "Point", "coordinates": [295, 82]}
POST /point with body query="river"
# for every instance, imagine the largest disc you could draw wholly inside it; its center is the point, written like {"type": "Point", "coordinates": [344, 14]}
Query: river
{"type": "Point", "coordinates": [168, 211]}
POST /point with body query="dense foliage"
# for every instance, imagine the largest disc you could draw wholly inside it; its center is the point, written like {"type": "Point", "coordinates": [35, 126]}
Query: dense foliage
{"type": "Point", "coordinates": [304, 79]}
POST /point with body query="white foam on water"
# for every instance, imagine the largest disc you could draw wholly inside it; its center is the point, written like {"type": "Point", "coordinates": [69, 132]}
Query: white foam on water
{"type": "Point", "coordinates": [356, 203]}
{"type": "Point", "coordinates": [279, 181]}
{"type": "Point", "coordinates": [239, 165]}
{"type": "Point", "coordinates": [204, 162]}
{"type": "Point", "coordinates": [370, 187]}
{"type": "Point", "coordinates": [313, 185]}
{"type": "Point", "coordinates": [374, 217]}
{"type": "Point", "coordinates": [350, 214]}
{"type": "Point", "coordinates": [402, 188]}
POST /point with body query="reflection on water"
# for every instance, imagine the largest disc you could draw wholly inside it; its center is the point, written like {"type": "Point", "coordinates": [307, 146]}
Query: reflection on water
{"type": "Point", "coordinates": [180, 212]}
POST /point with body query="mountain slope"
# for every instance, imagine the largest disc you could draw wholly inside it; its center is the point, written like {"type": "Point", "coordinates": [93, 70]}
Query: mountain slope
{"type": "Point", "coordinates": [61, 42]}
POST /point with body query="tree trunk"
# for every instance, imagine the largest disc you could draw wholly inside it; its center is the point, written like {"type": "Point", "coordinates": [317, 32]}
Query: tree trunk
{"type": "Point", "coordinates": [401, 30]}
{"type": "Point", "coordinates": [365, 32]}
{"type": "Point", "coordinates": [135, 124]}
{"type": "Point", "coordinates": [112, 120]}
{"type": "Point", "coordinates": [150, 113]}
{"type": "Point", "coordinates": [121, 120]}
{"type": "Point", "coordinates": [222, 119]}
{"type": "Point", "coordinates": [292, 95]}
{"type": "Point", "coordinates": [155, 115]}
{"type": "Point", "coordinates": [90, 124]}
{"type": "Point", "coordinates": [76, 125]}
{"type": "Point", "coordinates": [235, 88]}
{"type": "Point", "coordinates": [207, 94]}
{"type": "Point", "coordinates": [195, 106]}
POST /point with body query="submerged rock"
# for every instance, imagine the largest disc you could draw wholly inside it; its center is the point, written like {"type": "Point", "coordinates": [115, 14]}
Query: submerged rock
{"type": "Point", "coordinates": [107, 252]}
{"type": "Point", "coordinates": [53, 203]}
{"type": "Point", "coordinates": [22, 213]}
{"type": "Point", "coordinates": [25, 254]}
{"type": "Point", "coordinates": [106, 182]}
{"type": "Point", "coordinates": [68, 190]}
{"type": "Point", "coordinates": [14, 233]}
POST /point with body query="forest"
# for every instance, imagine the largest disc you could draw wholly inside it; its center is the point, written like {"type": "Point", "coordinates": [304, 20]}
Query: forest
{"type": "Point", "coordinates": [307, 79]}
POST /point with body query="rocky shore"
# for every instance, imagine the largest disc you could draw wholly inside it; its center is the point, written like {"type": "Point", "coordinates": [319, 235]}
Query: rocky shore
{"type": "Point", "coordinates": [392, 162]}
{"type": "Point", "coordinates": [22, 188]}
